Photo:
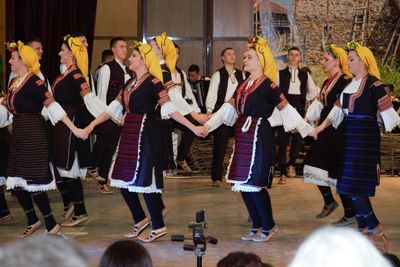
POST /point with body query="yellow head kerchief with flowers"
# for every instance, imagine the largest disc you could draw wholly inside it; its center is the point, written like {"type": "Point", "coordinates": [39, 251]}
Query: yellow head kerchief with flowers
{"type": "Point", "coordinates": [366, 57]}
{"type": "Point", "coordinates": [28, 56]}
{"type": "Point", "coordinates": [150, 59]}
{"type": "Point", "coordinates": [168, 50]}
{"type": "Point", "coordinates": [80, 53]}
{"type": "Point", "coordinates": [341, 55]}
{"type": "Point", "coordinates": [265, 56]}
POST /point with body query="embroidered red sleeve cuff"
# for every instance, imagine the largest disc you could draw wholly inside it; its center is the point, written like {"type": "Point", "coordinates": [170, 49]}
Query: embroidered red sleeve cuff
{"type": "Point", "coordinates": [163, 97]}
{"type": "Point", "coordinates": [384, 103]}
{"type": "Point", "coordinates": [49, 99]}
{"type": "Point", "coordinates": [85, 89]}
{"type": "Point", "coordinates": [283, 102]}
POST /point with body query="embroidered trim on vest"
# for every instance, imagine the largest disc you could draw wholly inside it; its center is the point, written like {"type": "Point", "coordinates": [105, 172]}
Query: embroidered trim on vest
{"type": "Point", "coordinates": [353, 97]}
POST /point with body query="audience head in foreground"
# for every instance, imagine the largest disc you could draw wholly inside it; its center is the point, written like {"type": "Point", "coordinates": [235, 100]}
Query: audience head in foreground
{"type": "Point", "coordinates": [334, 246]}
{"type": "Point", "coordinates": [42, 251]}
{"type": "Point", "coordinates": [126, 253]}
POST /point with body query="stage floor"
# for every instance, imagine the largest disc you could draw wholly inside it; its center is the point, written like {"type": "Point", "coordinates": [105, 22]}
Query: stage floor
{"type": "Point", "coordinates": [294, 204]}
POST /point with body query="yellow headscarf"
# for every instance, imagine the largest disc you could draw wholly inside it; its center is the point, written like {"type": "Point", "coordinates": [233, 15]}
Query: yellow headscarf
{"type": "Point", "coordinates": [150, 59]}
{"type": "Point", "coordinates": [168, 50]}
{"type": "Point", "coordinates": [80, 53]}
{"type": "Point", "coordinates": [341, 55]}
{"type": "Point", "coordinates": [29, 57]}
{"type": "Point", "coordinates": [265, 56]}
{"type": "Point", "coordinates": [366, 57]}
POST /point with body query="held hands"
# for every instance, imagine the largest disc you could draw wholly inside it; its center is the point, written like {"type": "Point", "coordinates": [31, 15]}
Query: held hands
{"type": "Point", "coordinates": [81, 133]}
{"type": "Point", "coordinates": [201, 131]}
{"type": "Point", "coordinates": [314, 133]}
{"type": "Point", "coordinates": [89, 128]}
{"type": "Point", "coordinates": [232, 101]}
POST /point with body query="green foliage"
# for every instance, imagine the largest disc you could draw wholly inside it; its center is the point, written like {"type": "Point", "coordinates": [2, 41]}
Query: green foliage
{"type": "Point", "coordinates": [391, 75]}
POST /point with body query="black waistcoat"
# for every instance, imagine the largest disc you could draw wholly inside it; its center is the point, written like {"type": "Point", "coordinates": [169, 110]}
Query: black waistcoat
{"type": "Point", "coordinates": [116, 82]}
{"type": "Point", "coordinates": [223, 85]}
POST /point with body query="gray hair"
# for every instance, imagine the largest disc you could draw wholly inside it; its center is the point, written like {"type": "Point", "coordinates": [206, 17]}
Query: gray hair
{"type": "Point", "coordinates": [334, 246]}
{"type": "Point", "coordinates": [42, 251]}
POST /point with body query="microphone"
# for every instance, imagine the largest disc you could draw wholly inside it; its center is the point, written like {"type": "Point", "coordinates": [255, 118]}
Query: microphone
{"type": "Point", "coordinates": [177, 238]}
{"type": "Point", "coordinates": [212, 240]}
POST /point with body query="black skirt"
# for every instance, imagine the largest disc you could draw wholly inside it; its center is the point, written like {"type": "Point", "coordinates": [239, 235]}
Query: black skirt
{"type": "Point", "coordinates": [360, 156]}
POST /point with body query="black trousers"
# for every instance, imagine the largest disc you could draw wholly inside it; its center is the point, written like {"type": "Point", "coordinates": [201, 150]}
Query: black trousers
{"type": "Point", "coordinates": [187, 137]}
{"type": "Point", "coordinates": [107, 138]}
{"type": "Point", "coordinates": [283, 140]}
{"type": "Point", "coordinates": [221, 139]}
{"type": "Point", "coordinates": [258, 205]}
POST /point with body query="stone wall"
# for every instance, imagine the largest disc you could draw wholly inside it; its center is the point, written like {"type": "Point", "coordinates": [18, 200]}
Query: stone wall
{"type": "Point", "coordinates": [311, 17]}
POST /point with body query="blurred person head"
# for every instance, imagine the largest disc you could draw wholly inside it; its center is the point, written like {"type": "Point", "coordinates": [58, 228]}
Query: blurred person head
{"type": "Point", "coordinates": [36, 44]}
{"type": "Point", "coordinates": [82, 37]}
{"type": "Point", "coordinates": [194, 73]}
{"type": "Point", "coordinates": [42, 251]}
{"type": "Point", "coordinates": [126, 253]}
{"type": "Point", "coordinates": [107, 56]}
{"type": "Point", "coordinates": [336, 246]}
{"type": "Point", "coordinates": [240, 259]}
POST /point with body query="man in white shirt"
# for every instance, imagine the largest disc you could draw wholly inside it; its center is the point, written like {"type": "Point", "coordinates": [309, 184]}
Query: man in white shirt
{"type": "Point", "coordinates": [298, 88]}
{"type": "Point", "coordinates": [222, 86]}
{"type": "Point", "coordinates": [184, 100]}
{"type": "Point", "coordinates": [111, 79]}
{"type": "Point", "coordinates": [106, 56]}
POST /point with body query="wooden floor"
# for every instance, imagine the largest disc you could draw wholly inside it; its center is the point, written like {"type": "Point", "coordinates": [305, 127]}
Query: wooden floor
{"type": "Point", "coordinates": [294, 206]}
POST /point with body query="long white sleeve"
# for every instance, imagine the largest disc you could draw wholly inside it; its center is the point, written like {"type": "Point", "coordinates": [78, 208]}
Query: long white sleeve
{"type": "Point", "coordinates": [115, 109]}
{"type": "Point", "coordinates": [94, 104]}
{"type": "Point", "coordinates": [44, 111]}
{"type": "Point", "coordinates": [190, 95]}
{"type": "Point", "coordinates": [212, 94]}
{"type": "Point", "coordinates": [55, 113]}
{"type": "Point", "coordinates": [175, 95]}
{"type": "Point", "coordinates": [314, 110]}
{"type": "Point", "coordinates": [313, 90]}
{"type": "Point", "coordinates": [336, 116]}
{"type": "Point", "coordinates": [277, 78]}
{"type": "Point", "coordinates": [6, 118]}
{"type": "Point", "coordinates": [102, 82]}
{"type": "Point", "coordinates": [167, 109]}
{"type": "Point", "coordinates": [291, 119]}
{"type": "Point", "coordinates": [390, 119]}
{"type": "Point", "coordinates": [225, 115]}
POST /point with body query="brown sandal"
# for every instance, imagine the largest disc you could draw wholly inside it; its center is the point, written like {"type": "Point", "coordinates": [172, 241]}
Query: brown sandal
{"type": "Point", "coordinates": [55, 231]}
{"type": "Point", "coordinates": [6, 218]}
{"type": "Point", "coordinates": [377, 237]}
{"type": "Point", "coordinates": [30, 229]}
{"type": "Point", "coordinates": [138, 228]}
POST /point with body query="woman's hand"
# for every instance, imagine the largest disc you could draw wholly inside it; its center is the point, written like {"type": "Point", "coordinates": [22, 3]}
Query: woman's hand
{"type": "Point", "coordinates": [202, 118]}
{"type": "Point", "coordinates": [81, 133]}
{"type": "Point", "coordinates": [89, 129]}
{"type": "Point", "coordinates": [314, 133]}
{"type": "Point", "coordinates": [201, 131]}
